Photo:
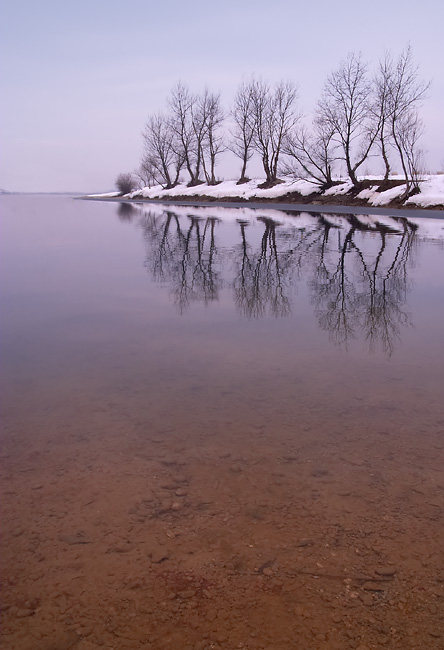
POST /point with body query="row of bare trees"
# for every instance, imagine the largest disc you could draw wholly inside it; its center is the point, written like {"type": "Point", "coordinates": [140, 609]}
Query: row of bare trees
{"type": "Point", "coordinates": [358, 116]}
{"type": "Point", "coordinates": [189, 136]}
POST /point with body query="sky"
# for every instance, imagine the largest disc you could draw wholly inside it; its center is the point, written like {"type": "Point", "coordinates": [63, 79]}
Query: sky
{"type": "Point", "coordinates": [79, 80]}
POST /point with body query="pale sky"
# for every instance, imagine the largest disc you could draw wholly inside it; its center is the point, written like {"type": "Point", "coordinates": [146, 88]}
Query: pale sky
{"type": "Point", "coordinates": [78, 80]}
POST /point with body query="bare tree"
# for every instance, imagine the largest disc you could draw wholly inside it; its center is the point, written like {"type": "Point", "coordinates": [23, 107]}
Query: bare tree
{"type": "Point", "coordinates": [125, 183]}
{"type": "Point", "coordinates": [381, 108]}
{"type": "Point", "coordinates": [196, 123]}
{"type": "Point", "coordinates": [213, 143]}
{"type": "Point", "coordinates": [274, 117]}
{"type": "Point", "coordinates": [345, 107]}
{"type": "Point", "coordinates": [145, 173]}
{"type": "Point", "coordinates": [200, 109]}
{"type": "Point", "coordinates": [311, 154]}
{"type": "Point", "coordinates": [354, 114]}
{"type": "Point", "coordinates": [405, 94]}
{"type": "Point", "coordinates": [182, 104]}
{"type": "Point", "coordinates": [408, 133]}
{"type": "Point", "coordinates": [159, 152]}
{"type": "Point", "coordinates": [244, 127]}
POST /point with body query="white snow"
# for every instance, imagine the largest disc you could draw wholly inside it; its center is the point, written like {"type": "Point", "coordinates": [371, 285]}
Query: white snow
{"type": "Point", "coordinates": [343, 188]}
{"type": "Point", "coordinates": [106, 195]}
{"type": "Point", "coordinates": [230, 188]}
{"type": "Point", "coordinates": [376, 198]}
{"type": "Point", "coordinates": [432, 191]}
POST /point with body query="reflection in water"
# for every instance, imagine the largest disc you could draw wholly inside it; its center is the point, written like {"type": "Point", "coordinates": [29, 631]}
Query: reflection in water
{"type": "Point", "coordinates": [355, 269]}
{"type": "Point", "coordinates": [126, 212]}
{"type": "Point", "coordinates": [184, 255]}
{"type": "Point", "coordinates": [261, 281]}
{"type": "Point", "coordinates": [353, 290]}
{"type": "Point", "coordinates": [220, 479]}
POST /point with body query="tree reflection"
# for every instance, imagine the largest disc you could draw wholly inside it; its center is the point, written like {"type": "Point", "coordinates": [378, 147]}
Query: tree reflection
{"type": "Point", "coordinates": [126, 212]}
{"type": "Point", "coordinates": [385, 312]}
{"type": "Point", "coordinates": [356, 271]}
{"type": "Point", "coordinates": [184, 256]}
{"type": "Point", "coordinates": [332, 292]}
{"type": "Point", "coordinates": [261, 283]}
{"type": "Point", "coordinates": [355, 288]}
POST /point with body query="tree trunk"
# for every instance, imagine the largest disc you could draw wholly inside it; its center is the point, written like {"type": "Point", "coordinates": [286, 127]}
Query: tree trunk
{"type": "Point", "coordinates": [213, 165]}
{"type": "Point", "coordinates": [267, 170]}
{"type": "Point", "coordinates": [384, 155]}
{"type": "Point", "coordinates": [403, 164]}
{"type": "Point", "coordinates": [351, 173]}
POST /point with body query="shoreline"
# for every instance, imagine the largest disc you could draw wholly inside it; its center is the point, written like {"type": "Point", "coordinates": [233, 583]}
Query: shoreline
{"type": "Point", "coordinates": [343, 205]}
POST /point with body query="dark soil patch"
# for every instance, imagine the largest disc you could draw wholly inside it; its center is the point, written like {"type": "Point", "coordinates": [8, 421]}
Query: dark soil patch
{"type": "Point", "coordinates": [387, 185]}
{"type": "Point", "coordinates": [269, 184]}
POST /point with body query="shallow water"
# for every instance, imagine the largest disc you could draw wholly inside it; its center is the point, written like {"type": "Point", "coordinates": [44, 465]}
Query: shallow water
{"type": "Point", "coordinates": [218, 427]}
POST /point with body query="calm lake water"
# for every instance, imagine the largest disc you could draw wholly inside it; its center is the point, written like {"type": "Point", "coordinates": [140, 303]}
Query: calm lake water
{"type": "Point", "coordinates": [221, 428]}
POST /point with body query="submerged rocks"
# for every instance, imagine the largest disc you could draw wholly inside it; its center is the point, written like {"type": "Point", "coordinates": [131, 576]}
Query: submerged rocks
{"type": "Point", "coordinates": [23, 612]}
{"type": "Point", "coordinates": [386, 571]}
{"type": "Point", "coordinates": [158, 553]}
{"type": "Point", "coordinates": [76, 538]}
{"type": "Point", "coordinates": [371, 585]}
{"type": "Point", "coordinates": [301, 543]}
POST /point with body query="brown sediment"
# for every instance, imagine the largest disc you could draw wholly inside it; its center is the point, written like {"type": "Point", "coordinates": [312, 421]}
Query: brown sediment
{"type": "Point", "coordinates": [143, 541]}
{"type": "Point", "coordinates": [178, 485]}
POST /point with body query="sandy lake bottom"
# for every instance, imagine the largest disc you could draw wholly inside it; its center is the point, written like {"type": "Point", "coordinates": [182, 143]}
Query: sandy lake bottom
{"type": "Point", "coordinates": [219, 434]}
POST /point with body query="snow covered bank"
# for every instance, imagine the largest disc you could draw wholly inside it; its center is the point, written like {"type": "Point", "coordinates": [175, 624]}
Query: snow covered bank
{"type": "Point", "coordinates": [228, 189]}
{"type": "Point", "coordinates": [431, 195]}
{"type": "Point", "coordinates": [105, 195]}
{"type": "Point", "coordinates": [301, 191]}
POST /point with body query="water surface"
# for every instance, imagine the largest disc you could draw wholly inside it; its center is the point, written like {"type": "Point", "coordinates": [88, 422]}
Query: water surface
{"type": "Point", "coordinates": [219, 426]}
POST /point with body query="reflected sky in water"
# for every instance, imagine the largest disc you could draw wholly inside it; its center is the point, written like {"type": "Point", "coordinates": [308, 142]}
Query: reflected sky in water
{"type": "Point", "coordinates": [102, 297]}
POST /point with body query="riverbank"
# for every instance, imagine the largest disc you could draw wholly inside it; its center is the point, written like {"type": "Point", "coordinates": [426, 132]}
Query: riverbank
{"type": "Point", "coordinates": [371, 194]}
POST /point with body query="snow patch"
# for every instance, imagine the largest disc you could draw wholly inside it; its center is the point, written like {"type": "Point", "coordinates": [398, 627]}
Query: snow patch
{"type": "Point", "coordinates": [343, 188]}
{"type": "Point", "coordinates": [432, 192]}
{"type": "Point", "coordinates": [383, 198]}
{"type": "Point", "coordinates": [229, 189]}
{"type": "Point", "coordinates": [106, 195]}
